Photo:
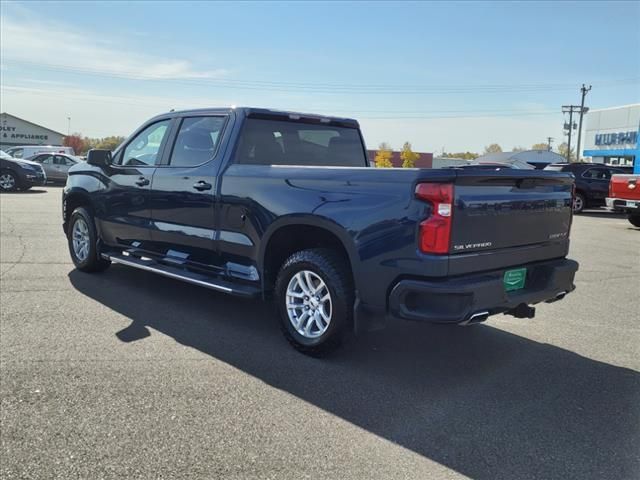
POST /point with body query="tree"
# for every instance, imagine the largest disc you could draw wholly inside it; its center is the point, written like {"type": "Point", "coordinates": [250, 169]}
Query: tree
{"type": "Point", "coordinates": [90, 143]}
{"type": "Point", "coordinates": [109, 143]}
{"type": "Point", "coordinates": [408, 156]}
{"type": "Point", "coordinates": [463, 155]}
{"type": "Point", "coordinates": [562, 150]}
{"type": "Point", "coordinates": [518, 149]}
{"type": "Point", "coordinates": [74, 141]}
{"type": "Point", "coordinates": [383, 156]}
{"type": "Point", "coordinates": [540, 146]}
{"type": "Point", "coordinates": [493, 148]}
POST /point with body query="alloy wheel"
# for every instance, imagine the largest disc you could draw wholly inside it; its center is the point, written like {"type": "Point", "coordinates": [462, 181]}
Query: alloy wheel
{"type": "Point", "coordinates": [7, 181]}
{"type": "Point", "coordinates": [81, 239]}
{"type": "Point", "coordinates": [308, 304]}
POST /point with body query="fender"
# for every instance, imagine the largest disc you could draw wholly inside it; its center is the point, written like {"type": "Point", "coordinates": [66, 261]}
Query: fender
{"type": "Point", "coordinates": [313, 221]}
{"type": "Point", "coordinates": [75, 195]}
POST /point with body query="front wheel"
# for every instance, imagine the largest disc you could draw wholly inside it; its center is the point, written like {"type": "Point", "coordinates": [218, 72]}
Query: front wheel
{"type": "Point", "coordinates": [83, 242]}
{"type": "Point", "coordinates": [634, 219]}
{"type": "Point", "coordinates": [8, 181]}
{"type": "Point", "coordinates": [315, 295]}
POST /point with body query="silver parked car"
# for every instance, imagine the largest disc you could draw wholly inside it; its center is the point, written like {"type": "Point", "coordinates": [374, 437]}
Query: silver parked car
{"type": "Point", "coordinates": [56, 165]}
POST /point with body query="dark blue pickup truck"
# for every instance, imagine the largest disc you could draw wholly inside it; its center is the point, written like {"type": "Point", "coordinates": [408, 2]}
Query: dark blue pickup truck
{"type": "Point", "coordinates": [263, 203]}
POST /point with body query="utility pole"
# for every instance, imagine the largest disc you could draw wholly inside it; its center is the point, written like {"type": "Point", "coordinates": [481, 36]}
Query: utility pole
{"type": "Point", "coordinates": [549, 140]}
{"type": "Point", "coordinates": [570, 109]}
{"type": "Point", "coordinates": [584, 90]}
{"type": "Point", "coordinates": [68, 126]}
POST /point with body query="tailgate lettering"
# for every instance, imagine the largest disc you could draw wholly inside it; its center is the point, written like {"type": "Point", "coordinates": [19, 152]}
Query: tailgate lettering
{"type": "Point", "coordinates": [469, 246]}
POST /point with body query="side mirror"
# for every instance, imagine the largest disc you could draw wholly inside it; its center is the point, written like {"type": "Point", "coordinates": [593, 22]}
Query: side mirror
{"type": "Point", "coordinates": [99, 158]}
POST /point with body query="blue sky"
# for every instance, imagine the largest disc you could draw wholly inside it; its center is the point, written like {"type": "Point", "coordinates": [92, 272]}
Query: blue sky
{"type": "Point", "coordinates": [453, 76]}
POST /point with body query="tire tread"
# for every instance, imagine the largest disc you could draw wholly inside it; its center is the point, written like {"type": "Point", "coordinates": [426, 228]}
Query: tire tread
{"type": "Point", "coordinates": [333, 266]}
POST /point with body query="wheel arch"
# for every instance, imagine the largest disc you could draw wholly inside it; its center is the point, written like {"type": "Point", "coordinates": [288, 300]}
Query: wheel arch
{"type": "Point", "coordinates": [73, 199]}
{"type": "Point", "coordinates": [293, 233]}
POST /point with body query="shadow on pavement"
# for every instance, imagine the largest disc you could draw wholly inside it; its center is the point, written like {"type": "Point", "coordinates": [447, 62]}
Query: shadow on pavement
{"type": "Point", "coordinates": [486, 403]}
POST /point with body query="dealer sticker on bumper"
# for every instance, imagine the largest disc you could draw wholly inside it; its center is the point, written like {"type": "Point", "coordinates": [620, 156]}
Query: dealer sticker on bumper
{"type": "Point", "coordinates": [514, 279]}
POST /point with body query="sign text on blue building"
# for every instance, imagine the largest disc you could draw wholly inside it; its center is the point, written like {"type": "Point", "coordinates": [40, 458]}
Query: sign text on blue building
{"type": "Point", "coordinates": [616, 138]}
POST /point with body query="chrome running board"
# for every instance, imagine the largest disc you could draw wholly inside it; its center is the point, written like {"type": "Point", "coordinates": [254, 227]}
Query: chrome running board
{"type": "Point", "coordinates": [176, 273]}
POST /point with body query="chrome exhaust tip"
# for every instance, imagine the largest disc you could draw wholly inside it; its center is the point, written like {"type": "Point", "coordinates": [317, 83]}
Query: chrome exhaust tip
{"type": "Point", "coordinates": [475, 318]}
{"type": "Point", "coordinates": [559, 296]}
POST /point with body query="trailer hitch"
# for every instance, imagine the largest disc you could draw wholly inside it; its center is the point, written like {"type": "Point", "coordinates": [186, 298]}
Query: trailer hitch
{"type": "Point", "coordinates": [522, 311]}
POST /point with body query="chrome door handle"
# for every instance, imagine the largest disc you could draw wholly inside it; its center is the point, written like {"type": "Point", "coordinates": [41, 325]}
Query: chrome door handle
{"type": "Point", "coordinates": [141, 182]}
{"type": "Point", "coordinates": [202, 185]}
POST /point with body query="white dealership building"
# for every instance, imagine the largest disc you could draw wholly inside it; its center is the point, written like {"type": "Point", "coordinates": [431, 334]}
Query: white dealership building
{"type": "Point", "coordinates": [16, 131]}
{"type": "Point", "coordinates": [611, 136]}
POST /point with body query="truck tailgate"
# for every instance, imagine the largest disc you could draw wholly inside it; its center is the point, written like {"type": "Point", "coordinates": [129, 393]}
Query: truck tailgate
{"type": "Point", "coordinates": [625, 186]}
{"type": "Point", "coordinates": [502, 209]}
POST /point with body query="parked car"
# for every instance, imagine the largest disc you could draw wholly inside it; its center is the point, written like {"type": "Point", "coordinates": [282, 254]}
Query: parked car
{"type": "Point", "coordinates": [26, 151]}
{"type": "Point", "coordinates": [263, 203]}
{"type": "Point", "coordinates": [624, 196]}
{"type": "Point", "coordinates": [592, 182]}
{"type": "Point", "coordinates": [17, 174]}
{"type": "Point", "coordinates": [57, 165]}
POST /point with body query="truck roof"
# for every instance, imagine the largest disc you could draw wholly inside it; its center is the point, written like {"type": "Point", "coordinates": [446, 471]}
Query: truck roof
{"type": "Point", "coordinates": [256, 112]}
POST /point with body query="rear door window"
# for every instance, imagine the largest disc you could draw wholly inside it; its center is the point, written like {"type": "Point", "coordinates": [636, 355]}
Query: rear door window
{"type": "Point", "coordinates": [197, 141]}
{"type": "Point", "coordinates": [597, 174]}
{"type": "Point", "coordinates": [280, 142]}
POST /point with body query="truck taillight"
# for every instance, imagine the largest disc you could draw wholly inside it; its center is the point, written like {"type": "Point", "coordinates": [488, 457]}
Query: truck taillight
{"type": "Point", "coordinates": [435, 231]}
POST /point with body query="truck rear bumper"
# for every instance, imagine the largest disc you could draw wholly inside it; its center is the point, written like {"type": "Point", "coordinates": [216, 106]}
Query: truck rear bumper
{"type": "Point", "coordinates": [471, 298]}
{"type": "Point", "coordinates": [622, 204]}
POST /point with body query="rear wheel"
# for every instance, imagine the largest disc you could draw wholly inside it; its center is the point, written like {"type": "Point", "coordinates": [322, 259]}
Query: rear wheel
{"type": "Point", "coordinates": [634, 219]}
{"type": "Point", "coordinates": [315, 296]}
{"type": "Point", "coordinates": [8, 181]}
{"type": "Point", "coordinates": [83, 241]}
{"type": "Point", "coordinates": [578, 203]}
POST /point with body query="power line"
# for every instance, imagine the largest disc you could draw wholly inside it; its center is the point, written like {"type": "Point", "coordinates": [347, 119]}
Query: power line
{"type": "Point", "coordinates": [391, 115]}
{"type": "Point", "coordinates": [319, 87]}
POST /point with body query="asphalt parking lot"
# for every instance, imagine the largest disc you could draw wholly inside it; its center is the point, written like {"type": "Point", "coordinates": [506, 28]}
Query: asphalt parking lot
{"type": "Point", "coordinates": [129, 375]}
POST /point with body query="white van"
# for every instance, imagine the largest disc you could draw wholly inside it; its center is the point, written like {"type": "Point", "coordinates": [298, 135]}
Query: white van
{"type": "Point", "coordinates": [26, 151]}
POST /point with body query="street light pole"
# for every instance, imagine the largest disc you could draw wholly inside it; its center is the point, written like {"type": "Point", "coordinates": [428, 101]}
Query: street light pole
{"type": "Point", "coordinates": [584, 90]}
{"type": "Point", "coordinates": [68, 126]}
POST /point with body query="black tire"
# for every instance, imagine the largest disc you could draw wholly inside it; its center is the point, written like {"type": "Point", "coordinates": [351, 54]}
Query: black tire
{"type": "Point", "coordinates": [92, 262]}
{"type": "Point", "coordinates": [634, 219]}
{"type": "Point", "coordinates": [10, 182]}
{"type": "Point", "coordinates": [579, 203]}
{"type": "Point", "coordinates": [333, 270]}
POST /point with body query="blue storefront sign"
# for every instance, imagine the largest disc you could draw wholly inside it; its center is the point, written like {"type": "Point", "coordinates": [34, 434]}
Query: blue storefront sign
{"type": "Point", "coordinates": [614, 139]}
{"type": "Point", "coordinates": [619, 138]}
